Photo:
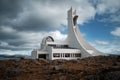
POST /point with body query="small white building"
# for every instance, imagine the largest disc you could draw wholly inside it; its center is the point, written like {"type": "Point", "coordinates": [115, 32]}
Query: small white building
{"type": "Point", "coordinates": [74, 48]}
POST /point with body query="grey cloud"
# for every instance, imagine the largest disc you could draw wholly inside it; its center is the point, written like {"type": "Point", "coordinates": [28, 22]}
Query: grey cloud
{"type": "Point", "coordinates": [13, 48]}
{"type": "Point", "coordinates": [9, 9]}
{"type": "Point", "coordinates": [6, 46]}
{"type": "Point", "coordinates": [17, 43]}
{"type": "Point", "coordinates": [33, 24]}
{"type": "Point", "coordinates": [47, 17]}
{"type": "Point", "coordinates": [8, 36]}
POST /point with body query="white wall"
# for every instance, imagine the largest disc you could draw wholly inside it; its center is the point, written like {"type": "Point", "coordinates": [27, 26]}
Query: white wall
{"type": "Point", "coordinates": [34, 54]}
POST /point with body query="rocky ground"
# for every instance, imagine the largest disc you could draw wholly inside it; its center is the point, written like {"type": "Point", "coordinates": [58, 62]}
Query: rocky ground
{"type": "Point", "coordinates": [92, 68]}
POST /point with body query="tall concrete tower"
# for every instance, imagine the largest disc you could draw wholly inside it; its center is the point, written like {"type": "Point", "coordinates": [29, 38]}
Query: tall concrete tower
{"type": "Point", "coordinates": [75, 39]}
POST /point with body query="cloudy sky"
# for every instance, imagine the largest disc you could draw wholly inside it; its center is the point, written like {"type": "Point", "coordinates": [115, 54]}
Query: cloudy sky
{"type": "Point", "coordinates": [23, 23]}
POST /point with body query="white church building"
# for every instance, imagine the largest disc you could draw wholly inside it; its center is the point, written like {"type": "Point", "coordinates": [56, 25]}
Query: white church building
{"type": "Point", "coordinates": [75, 47]}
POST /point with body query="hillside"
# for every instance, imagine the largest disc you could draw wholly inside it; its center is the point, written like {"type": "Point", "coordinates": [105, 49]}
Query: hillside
{"type": "Point", "coordinates": [92, 68]}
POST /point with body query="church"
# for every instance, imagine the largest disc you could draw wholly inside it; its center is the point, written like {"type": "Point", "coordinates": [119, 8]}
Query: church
{"type": "Point", "coordinates": [75, 46]}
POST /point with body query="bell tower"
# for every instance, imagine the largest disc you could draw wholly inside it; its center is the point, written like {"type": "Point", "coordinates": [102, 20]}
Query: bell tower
{"type": "Point", "coordinates": [75, 38]}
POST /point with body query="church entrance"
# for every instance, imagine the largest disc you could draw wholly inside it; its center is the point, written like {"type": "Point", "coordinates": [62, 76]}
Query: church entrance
{"type": "Point", "coordinates": [42, 56]}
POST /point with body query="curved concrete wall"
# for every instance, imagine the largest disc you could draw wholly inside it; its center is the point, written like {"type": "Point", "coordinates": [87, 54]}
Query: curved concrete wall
{"type": "Point", "coordinates": [76, 40]}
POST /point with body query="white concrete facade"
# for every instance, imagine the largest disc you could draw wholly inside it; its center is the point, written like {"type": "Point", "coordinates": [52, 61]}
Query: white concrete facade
{"type": "Point", "coordinates": [74, 48]}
